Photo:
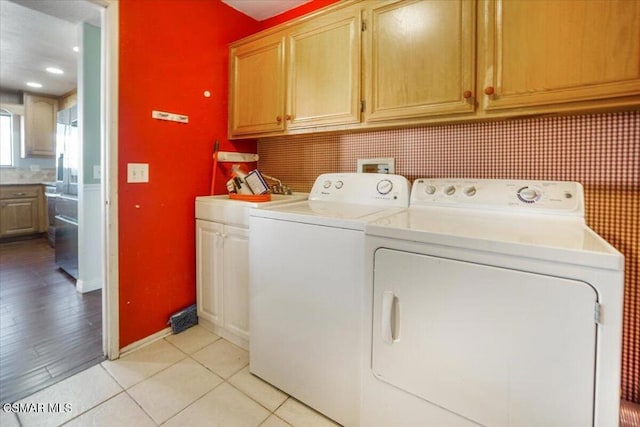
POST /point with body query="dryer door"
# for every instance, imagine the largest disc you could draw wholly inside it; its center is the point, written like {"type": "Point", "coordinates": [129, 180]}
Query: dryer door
{"type": "Point", "coordinates": [499, 347]}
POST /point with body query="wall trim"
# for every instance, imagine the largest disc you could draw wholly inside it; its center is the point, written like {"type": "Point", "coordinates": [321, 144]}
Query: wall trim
{"type": "Point", "coordinates": [145, 341]}
{"type": "Point", "coordinates": [109, 165]}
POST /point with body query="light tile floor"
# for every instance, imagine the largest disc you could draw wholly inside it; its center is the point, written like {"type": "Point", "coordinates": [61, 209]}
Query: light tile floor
{"type": "Point", "coordinates": [194, 378]}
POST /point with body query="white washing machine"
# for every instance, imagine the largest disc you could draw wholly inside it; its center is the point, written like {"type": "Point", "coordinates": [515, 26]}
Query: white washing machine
{"type": "Point", "coordinates": [491, 303]}
{"type": "Point", "coordinates": [305, 286]}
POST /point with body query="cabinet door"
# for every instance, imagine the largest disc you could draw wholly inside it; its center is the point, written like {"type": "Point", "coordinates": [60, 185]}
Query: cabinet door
{"type": "Point", "coordinates": [19, 216]}
{"type": "Point", "coordinates": [40, 126]}
{"type": "Point", "coordinates": [257, 87]}
{"type": "Point", "coordinates": [420, 59]}
{"type": "Point", "coordinates": [324, 71]}
{"type": "Point", "coordinates": [209, 249]}
{"type": "Point", "coordinates": [236, 281]}
{"type": "Point", "coordinates": [548, 52]}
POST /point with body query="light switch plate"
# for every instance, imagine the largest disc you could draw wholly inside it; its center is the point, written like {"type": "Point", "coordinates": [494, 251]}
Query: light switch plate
{"type": "Point", "coordinates": [137, 172]}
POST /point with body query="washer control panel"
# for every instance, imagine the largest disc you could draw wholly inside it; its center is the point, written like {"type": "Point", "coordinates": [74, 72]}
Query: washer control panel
{"type": "Point", "coordinates": [362, 188]}
{"type": "Point", "coordinates": [557, 197]}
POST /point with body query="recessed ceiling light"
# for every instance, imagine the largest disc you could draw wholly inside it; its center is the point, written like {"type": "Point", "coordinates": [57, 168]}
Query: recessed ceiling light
{"type": "Point", "coordinates": [76, 49]}
{"type": "Point", "coordinates": [33, 84]}
{"type": "Point", "coordinates": [54, 70]}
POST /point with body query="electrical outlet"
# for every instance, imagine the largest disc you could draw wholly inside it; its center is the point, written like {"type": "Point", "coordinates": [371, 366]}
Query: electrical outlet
{"type": "Point", "coordinates": [137, 172]}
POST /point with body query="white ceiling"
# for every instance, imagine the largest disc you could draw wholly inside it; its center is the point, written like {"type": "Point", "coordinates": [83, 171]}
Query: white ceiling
{"type": "Point", "coordinates": [36, 34]}
{"type": "Point", "coordinates": [263, 9]}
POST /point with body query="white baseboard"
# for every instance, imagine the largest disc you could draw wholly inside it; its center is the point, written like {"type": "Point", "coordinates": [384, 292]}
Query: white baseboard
{"type": "Point", "coordinates": [84, 286]}
{"type": "Point", "coordinates": [223, 333]}
{"type": "Point", "coordinates": [145, 341]}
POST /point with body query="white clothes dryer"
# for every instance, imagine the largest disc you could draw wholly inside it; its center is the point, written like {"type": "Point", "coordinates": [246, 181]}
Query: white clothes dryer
{"type": "Point", "coordinates": [305, 287]}
{"type": "Point", "coordinates": [491, 303]}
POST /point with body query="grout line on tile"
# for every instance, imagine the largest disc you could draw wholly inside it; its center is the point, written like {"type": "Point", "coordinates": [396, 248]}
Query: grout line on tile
{"type": "Point", "coordinates": [282, 404]}
{"type": "Point", "coordinates": [274, 415]}
{"type": "Point", "coordinates": [197, 349]}
{"type": "Point", "coordinates": [270, 411]}
{"type": "Point", "coordinates": [143, 410]}
{"type": "Point", "coordinates": [93, 407]}
{"type": "Point", "coordinates": [234, 373]}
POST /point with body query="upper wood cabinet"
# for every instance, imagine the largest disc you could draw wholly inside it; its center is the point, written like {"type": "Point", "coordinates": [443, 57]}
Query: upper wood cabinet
{"type": "Point", "coordinates": [539, 54]}
{"type": "Point", "coordinates": [39, 138]}
{"type": "Point", "coordinates": [434, 61]}
{"type": "Point", "coordinates": [324, 71]}
{"type": "Point", "coordinates": [304, 76]}
{"type": "Point", "coordinates": [257, 86]}
{"type": "Point", "coordinates": [420, 58]}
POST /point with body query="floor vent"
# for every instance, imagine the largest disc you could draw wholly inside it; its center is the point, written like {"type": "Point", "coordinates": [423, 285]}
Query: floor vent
{"type": "Point", "coordinates": [184, 319]}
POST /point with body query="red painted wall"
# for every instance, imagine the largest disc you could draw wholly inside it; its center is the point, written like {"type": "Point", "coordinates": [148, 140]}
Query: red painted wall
{"type": "Point", "coordinates": [170, 53]}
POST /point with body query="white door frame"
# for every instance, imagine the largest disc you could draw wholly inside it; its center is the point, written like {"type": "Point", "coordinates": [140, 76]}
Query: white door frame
{"type": "Point", "coordinates": [109, 182]}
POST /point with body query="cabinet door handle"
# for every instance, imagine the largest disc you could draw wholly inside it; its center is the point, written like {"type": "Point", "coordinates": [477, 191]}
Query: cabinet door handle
{"type": "Point", "coordinates": [289, 117]}
{"type": "Point", "coordinates": [278, 118]}
{"type": "Point", "coordinates": [489, 90]}
{"type": "Point", "coordinates": [467, 94]}
{"type": "Point", "coordinates": [19, 194]}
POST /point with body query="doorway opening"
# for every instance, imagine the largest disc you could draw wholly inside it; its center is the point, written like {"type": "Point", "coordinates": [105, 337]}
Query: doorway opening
{"type": "Point", "coordinates": [52, 314]}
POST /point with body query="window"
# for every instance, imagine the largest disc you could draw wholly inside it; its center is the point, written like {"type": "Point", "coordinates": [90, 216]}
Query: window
{"type": "Point", "coordinates": [6, 138]}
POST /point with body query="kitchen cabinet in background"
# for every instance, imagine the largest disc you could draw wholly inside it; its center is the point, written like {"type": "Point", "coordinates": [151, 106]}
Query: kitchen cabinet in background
{"type": "Point", "coordinates": [420, 59]}
{"type": "Point", "coordinates": [21, 210]}
{"type": "Point", "coordinates": [39, 138]}
{"type": "Point", "coordinates": [540, 54]}
{"type": "Point", "coordinates": [307, 75]}
{"type": "Point", "coordinates": [222, 279]}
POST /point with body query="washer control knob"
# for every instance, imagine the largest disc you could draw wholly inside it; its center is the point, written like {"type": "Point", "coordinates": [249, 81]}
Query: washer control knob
{"type": "Point", "coordinates": [327, 184]}
{"type": "Point", "coordinates": [339, 184]}
{"type": "Point", "coordinates": [529, 194]}
{"type": "Point", "coordinates": [430, 189]}
{"type": "Point", "coordinates": [470, 191]}
{"type": "Point", "coordinates": [385, 186]}
{"type": "Point", "coordinates": [450, 190]}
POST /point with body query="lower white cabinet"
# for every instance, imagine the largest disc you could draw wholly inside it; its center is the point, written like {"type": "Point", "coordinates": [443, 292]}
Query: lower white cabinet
{"type": "Point", "coordinates": [222, 280]}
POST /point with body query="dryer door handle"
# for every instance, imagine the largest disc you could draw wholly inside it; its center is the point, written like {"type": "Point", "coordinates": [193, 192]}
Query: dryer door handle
{"type": "Point", "coordinates": [390, 317]}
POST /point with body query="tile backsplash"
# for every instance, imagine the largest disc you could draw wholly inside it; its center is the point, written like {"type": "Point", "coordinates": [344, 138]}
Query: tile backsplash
{"type": "Point", "coordinates": [602, 151]}
{"type": "Point", "coordinates": [27, 175]}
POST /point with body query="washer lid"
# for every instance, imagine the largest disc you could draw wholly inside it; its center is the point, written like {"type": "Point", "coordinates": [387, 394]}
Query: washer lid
{"type": "Point", "coordinates": [330, 214]}
{"type": "Point", "coordinates": [563, 239]}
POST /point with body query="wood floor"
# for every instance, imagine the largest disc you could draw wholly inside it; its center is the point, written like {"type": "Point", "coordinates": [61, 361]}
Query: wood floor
{"type": "Point", "coordinates": [48, 330]}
